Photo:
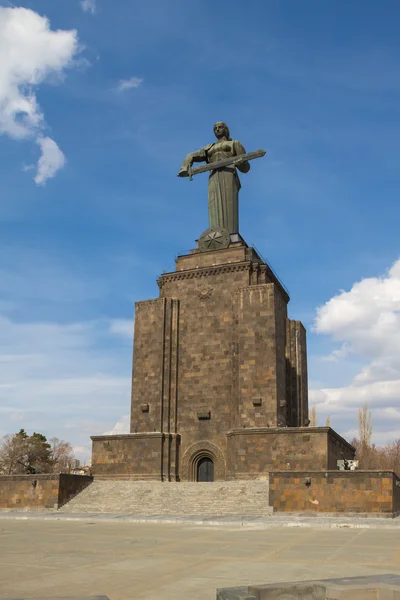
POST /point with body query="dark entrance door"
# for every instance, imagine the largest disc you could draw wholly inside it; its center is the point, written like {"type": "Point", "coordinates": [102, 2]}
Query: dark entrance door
{"type": "Point", "coordinates": [205, 469]}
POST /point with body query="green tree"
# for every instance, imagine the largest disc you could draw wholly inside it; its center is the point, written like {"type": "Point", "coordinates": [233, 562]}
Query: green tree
{"type": "Point", "coordinates": [20, 453]}
{"type": "Point", "coordinates": [38, 453]}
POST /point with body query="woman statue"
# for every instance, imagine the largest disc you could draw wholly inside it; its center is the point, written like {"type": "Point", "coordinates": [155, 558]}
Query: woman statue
{"type": "Point", "coordinates": [223, 183]}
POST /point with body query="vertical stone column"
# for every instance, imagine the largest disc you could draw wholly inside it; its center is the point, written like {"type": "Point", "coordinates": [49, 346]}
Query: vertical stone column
{"type": "Point", "coordinates": [155, 373]}
{"type": "Point", "coordinates": [296, 375]}
{"type": "Point", "coordinates": [260, 361]}
{"type": "Point", "coordinates": [170, 365]}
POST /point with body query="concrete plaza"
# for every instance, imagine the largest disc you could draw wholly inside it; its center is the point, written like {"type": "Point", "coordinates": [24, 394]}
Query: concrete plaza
{"type": "Point", "coordinates": [127, 560]}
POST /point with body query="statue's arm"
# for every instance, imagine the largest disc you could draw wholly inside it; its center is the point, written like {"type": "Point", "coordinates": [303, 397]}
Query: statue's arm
{"type": "Point", "coordinates": [243, 167]}
{"type": "Point", "coordinates": [198, 156]}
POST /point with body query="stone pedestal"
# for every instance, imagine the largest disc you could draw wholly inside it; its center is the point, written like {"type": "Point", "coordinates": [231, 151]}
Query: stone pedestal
{"type": "Point", "coordinates": [215, 355]}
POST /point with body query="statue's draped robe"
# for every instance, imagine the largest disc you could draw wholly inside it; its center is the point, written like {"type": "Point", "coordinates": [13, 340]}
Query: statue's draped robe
{"type": "Point", "coordinates": [223, 184]}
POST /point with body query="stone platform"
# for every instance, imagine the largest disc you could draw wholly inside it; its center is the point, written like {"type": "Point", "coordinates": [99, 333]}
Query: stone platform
{"type": "Point", "coordinates": [249, 453]}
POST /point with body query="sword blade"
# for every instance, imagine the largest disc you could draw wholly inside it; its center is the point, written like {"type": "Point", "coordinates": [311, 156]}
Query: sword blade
{"type": "Point", "coordinates": [227, 162]}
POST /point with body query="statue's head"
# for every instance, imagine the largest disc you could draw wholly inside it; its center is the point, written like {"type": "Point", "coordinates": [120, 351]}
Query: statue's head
{"type": "Point", "coordinates": [221, 130]}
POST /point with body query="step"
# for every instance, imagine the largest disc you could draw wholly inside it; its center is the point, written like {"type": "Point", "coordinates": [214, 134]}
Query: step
{"type": "Point", "coordinates": [230, 498]}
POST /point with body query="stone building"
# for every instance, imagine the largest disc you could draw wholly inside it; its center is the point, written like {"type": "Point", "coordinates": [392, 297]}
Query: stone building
{"type": "Point", "coordinates": [219, 385]}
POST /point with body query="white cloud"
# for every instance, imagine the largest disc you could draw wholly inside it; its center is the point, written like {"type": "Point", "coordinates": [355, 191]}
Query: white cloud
{"type": "Point", "coordinates": [366, 322]}
{"type": "Point", "coordinates": [339, 354]}
{"type": "Point", "coordinates": [50, 161]}
{"type": "Point", "coordinates": [89, 6]}
{"type": "Point", "coordinates": [122, 426]}
{"type": "Point", "coordinates": [367, 316]}
{"type": "Point", "coordinates": [30, 54]}
{"type": "Point", "coordinates": [127, 84]}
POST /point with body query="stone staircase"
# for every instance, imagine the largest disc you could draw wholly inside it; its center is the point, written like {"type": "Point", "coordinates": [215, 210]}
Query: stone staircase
{"type": "Point", "coordinates": [223, 498]}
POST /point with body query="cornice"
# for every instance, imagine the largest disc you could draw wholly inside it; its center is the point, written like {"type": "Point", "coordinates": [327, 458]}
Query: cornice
{"type": "Point", "coordinates": [203, 272]}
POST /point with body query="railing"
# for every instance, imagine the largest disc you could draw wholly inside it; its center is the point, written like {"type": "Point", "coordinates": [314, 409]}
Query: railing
{"type": "Point", "coordinates": [268, 262]}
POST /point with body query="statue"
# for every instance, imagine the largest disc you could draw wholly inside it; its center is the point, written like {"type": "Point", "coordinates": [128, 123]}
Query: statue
{"type": "Point", "coordinates": [224, 158]}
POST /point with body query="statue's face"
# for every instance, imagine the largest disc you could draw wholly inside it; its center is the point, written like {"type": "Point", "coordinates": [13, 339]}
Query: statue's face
{"type": "Point", "coordinates": [219, 130]}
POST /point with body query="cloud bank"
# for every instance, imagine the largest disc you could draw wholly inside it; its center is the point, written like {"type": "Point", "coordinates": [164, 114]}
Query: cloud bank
{"type": "Point", "coordinates": [31, 54]}
{"type": "Point", "coordinates": [366, 323]}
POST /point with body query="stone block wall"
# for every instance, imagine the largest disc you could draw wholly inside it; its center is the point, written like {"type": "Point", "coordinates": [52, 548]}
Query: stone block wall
{"type": "Point", "coordinates": [30, 492]}
{"type": "Point", "coordinates": [154, 376]}
{"type": "Point", "coordinates": [140, 456]}
{"type": "Point", "coordinates": [370, 492]}
{"type": "Point", "coordinates": [338, 448]}
{"type": "Point", "coordinates": [70, 486]}
{"type": "Point", "coordinates": [246, 453]}
{"type": "Point", "coordinates": [261, 369]}
{"type": "Point", "coordinates": [253, 452]}
{"type": "Point", "coordinates": [396, 494]}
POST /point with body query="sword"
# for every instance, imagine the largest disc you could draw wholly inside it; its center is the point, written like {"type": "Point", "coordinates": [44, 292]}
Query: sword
{"type": "Point", "coordinates": [233, 160]}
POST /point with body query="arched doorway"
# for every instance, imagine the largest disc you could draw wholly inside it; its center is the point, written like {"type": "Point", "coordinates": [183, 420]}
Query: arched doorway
{"type": "Point", "coordinates": [193, 455]}
{"type": "Point", "coordinates": [205, 469]}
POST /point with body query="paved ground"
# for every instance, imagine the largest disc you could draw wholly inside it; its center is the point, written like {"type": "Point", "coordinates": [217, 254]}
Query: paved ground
{"type": "Point", "coordinates": [126, 560]}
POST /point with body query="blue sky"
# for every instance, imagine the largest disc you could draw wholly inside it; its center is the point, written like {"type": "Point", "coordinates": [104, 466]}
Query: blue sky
{"type": "Point", "coordinates": [317, 84]}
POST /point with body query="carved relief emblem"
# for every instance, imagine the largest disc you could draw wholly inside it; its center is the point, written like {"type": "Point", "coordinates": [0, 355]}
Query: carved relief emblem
{"type": "Point", "coordinates": [205, 294]}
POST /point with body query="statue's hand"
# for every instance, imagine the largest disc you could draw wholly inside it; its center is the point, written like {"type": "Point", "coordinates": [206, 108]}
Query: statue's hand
{"type": "Point", "coordinates": [185, 168]}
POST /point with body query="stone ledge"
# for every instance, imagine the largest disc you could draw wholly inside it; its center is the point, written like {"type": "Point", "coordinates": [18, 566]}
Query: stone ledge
{"type": "Point", "coordinates": [132, 436]}
{"type": "Point", "coordinates": [30, 476]}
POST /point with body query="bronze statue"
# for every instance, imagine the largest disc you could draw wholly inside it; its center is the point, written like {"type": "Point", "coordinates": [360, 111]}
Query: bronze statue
{"type": "Point", "coordinates": [223, 157]}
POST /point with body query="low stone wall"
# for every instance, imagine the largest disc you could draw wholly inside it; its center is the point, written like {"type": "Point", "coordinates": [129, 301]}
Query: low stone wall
{"type": "Point", "coordinates": [369, 492]}
{"type": "Point", "coordinates": [34, 492]}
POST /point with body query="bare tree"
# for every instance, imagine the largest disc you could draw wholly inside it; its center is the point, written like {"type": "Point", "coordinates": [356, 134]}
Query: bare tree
{"type": "Point", "coordinates": [313, 416]}
{"type": "Point", "coordinates": [370, 456]}
{"type": "Point", "coordinates": [364, 425]}
{"type": "Point", "coordinates": [392, 456]}
{"type": "Point", "coordinates": [62, 456]}
{"type": "Point", "coordinates": [12, 453]}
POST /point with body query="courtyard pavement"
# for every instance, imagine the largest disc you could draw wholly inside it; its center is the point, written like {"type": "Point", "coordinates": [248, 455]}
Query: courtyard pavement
{"type": "Point", "coordinates": [46, 554]}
